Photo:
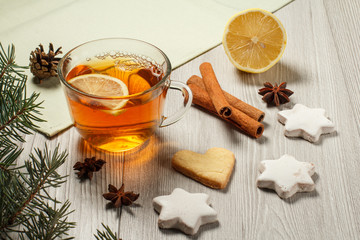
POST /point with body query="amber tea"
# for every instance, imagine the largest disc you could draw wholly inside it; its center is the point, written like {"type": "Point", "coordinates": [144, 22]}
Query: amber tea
{"type": "Point", "coordinates": [111, 120]}
{"type": "Point", "coordinates": [116, 89]}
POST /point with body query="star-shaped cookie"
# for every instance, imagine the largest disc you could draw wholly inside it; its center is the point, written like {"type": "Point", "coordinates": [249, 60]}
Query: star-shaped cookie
{"type": "Point", "coordinates": [308, 123]}
{"type": "Point", "coordinates": [183, 210]}
{"type": "Point", "coordinates": [286, 176]}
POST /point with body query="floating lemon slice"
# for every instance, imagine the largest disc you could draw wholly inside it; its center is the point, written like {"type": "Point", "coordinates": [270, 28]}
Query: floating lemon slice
{"type": "Point", "coordinates": [103, 86]}
{"type": "Point", "coordinates": [254, 40]}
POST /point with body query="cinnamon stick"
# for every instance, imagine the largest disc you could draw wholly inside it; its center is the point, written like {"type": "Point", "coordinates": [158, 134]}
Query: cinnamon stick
{"type": "Point", "coordinates": [238, 118]}
{"type": "Point", "coordinates": [249, 110]}
{"type": "Point", "coordinates": [216, 94]}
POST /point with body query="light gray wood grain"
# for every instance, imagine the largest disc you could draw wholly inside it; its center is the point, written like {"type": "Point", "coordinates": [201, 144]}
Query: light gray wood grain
{"type": "Point", "coordinates": [321, 65]}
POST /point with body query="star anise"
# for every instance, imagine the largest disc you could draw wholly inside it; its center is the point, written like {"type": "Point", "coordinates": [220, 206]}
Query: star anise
{"type": "Point", "coordinates": [87, 167]}
{"type": "Point", "coordinates": [275, 95]}
{"type": "Point", "coordinates": [118, 197]}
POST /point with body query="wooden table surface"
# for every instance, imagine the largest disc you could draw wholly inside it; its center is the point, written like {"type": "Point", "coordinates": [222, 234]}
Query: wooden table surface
{"type": "Point", "coordinates": [321, 65]}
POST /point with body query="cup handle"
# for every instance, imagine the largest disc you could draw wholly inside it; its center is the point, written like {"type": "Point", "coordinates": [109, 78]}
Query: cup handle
{"type": "Point", "coordinates": [188, 97]}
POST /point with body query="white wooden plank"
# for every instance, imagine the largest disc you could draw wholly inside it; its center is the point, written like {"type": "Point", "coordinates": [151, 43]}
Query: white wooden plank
{"type": "Point", "coordinates": [320, 65]}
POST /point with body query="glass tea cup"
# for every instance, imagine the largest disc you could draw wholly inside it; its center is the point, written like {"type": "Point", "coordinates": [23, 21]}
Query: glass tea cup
{"type": "Point", "coordinates": [92, 73]}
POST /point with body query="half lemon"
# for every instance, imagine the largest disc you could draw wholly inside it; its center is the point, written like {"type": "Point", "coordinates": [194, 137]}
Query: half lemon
{"type": "Point", "coordinates": [254, 40]}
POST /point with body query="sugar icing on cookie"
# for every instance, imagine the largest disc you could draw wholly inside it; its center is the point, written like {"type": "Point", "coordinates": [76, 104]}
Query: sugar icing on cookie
{"type": "Point", "coordinates": [286, 176]}
{"type": "Point", "coordinates": [308, 123]}
{"type": "Point", "coordinates": [185, 211]}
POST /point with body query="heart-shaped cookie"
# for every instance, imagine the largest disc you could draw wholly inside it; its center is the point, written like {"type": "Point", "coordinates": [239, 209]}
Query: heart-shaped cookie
{"type": "Point", "coordinates": [212, 169]}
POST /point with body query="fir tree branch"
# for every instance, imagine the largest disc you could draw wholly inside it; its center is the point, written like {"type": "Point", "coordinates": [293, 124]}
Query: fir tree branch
{"type": "Point", "coordinates": [48, 225]}
{"type": "Point", "coordinates": [17, 111]}
{"type": "Point", "coordinates": [106, 234]}
{"type": "Point", "coordinates": [42, 172]}
{"type": "Point", "coordinates": [25, 205]}
{"type": "Point", "coordinates": [29, 208]}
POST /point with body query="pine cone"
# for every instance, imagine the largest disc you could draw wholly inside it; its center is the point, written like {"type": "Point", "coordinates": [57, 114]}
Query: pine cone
{"type": "Point", "coordinates": [44, 65]}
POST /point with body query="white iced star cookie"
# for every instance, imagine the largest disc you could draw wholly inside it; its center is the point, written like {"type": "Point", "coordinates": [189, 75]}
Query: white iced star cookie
{"type": "Point", "coordinates": [308, 123]}
{"type": "Point", "coordinates": [286, 176]}
{"type": "Point", "coordinates": [184, 211]}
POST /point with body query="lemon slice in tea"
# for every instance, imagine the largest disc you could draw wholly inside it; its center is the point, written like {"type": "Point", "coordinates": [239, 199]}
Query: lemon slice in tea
{"type": "Point", "coordinates": [103, 86]}
{"type": "Point", "coordinates": [254, 40]}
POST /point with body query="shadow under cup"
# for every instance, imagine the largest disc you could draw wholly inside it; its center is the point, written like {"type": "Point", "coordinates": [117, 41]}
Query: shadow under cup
{"type": "Point", "coordinates": [120, 123]}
